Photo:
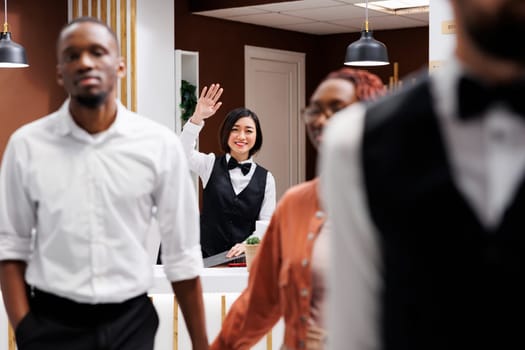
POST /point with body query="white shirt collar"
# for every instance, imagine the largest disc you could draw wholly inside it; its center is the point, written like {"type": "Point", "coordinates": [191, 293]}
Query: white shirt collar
{"type": "Point", "coordinates": [66, 124]}
{"type": "Point", "coordinates": [249, 160]}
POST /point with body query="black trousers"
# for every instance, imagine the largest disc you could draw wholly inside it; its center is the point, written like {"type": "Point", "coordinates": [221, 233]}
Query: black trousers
{"type": "Point", "coordinates": [56, 323]}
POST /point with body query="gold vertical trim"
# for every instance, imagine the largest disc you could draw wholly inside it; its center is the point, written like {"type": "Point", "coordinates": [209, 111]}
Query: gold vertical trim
{"type": "Point", "coordinates": [104, 11]}
{"type": "Point", "coordinates": [75, 9]}
{"type": "Point", "coordinates": [124, 50]}
{"type": "Point", "coordinates": [175, 323]}
{"type": "Point", "coordinates": [94, 8]}
{"type": "Point", "coordinates": [113, 15]}
{"type": "Point", "coordinates": [223, 307]}
{"type": "Point", "coordinates": [85, 7]}
{"type": "Point", "coordinates": [118, 21]}
{"type": "Point", "coordinates": [396, 72]}
{"type": "Point", "coordinates": [11, 337]}
{"type": "Point", "coordinates": [269, 341]}
{"type": "Point", "coordinates": [133, 53]}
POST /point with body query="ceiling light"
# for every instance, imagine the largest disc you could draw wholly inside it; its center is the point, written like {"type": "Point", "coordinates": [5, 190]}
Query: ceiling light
{"type": "Point", "coordinates": [12, 55]}
{"type": "Point", "coordinates": [366, 51]}
{"type": "Point", "coordinates": [398, 7]}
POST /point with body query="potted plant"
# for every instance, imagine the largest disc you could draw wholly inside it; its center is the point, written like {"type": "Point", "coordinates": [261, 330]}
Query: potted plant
{"type": "Point", "coordinates": [188, 99]}
{"type": "Point", "coordinates": [252, 243]}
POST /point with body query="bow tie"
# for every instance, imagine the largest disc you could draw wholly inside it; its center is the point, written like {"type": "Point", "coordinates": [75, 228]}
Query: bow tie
{"type": "Point", "coordinates": [245, 167]}
{"type": "Point", "coordinates": [474, 97]}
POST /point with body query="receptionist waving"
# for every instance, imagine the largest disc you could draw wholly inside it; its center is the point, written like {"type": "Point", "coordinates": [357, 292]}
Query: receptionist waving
{"type": "Point", "coordinates": [236, 191]}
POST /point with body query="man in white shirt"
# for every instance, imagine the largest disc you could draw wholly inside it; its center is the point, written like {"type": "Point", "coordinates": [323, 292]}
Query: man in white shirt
{"type": "Point", "coordinates": [78, 190]}
{"type": "Point", "coordinates": [426, 192]}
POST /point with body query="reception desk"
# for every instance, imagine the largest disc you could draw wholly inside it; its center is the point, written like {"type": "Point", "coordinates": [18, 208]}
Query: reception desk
{"type": "Point", "coordinates": [221, 286]}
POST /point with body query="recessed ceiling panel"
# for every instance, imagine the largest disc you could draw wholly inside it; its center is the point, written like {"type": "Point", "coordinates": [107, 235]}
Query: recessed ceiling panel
{"type": "Point", "coordinates": [298, 5]}
{"type": "Point", "coordinates": [320, 28]}
{"type": "Point", "coordinates": [329, 13]}
{"type": "Point", "coordinates": [321, 16]}
{"type": "Point", "coordinates": [271, 19]}
{"type": "Point", "coordinates": [233, 12]}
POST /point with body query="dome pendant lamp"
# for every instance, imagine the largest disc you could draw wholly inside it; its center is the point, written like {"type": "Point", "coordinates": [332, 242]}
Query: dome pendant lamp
{"type": "Point", "coordinates": [12, 55]}
{"type": "Point", "coordinates": [366, 51]}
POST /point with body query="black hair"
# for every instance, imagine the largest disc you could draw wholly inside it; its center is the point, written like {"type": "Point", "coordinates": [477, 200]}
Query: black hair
{"type": "Point", "coordinates": [227, 126]}
{"type": "Point", "coordinates": [88, 19]}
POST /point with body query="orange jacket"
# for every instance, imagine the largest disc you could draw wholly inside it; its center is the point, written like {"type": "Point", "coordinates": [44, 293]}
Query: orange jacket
{"type": "Point", "coordinates": [279, 283]}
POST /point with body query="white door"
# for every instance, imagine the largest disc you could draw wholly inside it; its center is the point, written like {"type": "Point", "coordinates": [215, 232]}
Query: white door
{"type": "Point", "coordinates": [274, 90]}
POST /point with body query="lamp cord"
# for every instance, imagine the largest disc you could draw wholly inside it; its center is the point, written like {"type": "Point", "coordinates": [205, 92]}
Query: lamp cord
{"type": "Point", "coordinates": [366, 16]}
{"type": "Point", "coordinates": [6, 27]}
{"type": "Point", "coordinates": [366, 10]}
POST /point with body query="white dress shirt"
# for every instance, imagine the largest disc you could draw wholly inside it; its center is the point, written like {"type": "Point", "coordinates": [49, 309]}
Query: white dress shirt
{"type": "Point", "coordinates": [487, 157]}
{"type": "Point", "coordinates": [77, 207]}
{"type": "Point", "coordinates": [202, 165]}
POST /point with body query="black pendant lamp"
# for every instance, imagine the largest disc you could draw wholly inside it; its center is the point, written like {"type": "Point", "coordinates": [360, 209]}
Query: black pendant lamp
{"type": "Point", "coordinates": [12, 55]}
{"type": "Point", "coordinates": [366, 51]}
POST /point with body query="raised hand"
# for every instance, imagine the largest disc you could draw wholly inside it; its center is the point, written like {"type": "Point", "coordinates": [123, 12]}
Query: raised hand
{"type": "Point", "coordinates": [207, 104]}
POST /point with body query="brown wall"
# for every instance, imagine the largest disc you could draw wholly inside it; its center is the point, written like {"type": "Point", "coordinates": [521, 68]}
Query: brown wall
{"type": "Point", "coordinates": [29, 93]}
{"type": "Point", "coordinates": [220, 44]}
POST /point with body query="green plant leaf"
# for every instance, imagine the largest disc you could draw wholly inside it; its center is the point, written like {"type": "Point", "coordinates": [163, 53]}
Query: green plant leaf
{"type": "Point", "coordinates": [253, 240]}
{"type": "Point", "coordinates": [188, 99]}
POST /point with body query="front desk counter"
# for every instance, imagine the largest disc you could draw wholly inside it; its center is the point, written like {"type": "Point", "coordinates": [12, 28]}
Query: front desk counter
{"type": "Point", "coordinates": [221, 286]}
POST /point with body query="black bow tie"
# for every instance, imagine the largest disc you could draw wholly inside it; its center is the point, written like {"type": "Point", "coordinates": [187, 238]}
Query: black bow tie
{"type": "Point", "coordinates": [474, 97]}
{"type": "Point", "coordinates": [245, 167]}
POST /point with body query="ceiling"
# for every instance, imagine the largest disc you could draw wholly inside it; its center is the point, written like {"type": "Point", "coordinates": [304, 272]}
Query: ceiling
{"type": "Point", "coordinates": [318, 17]}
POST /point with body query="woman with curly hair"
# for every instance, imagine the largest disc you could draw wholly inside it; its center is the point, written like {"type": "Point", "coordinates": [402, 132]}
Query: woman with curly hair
{"type": "Point", "coordinates": [287, 278]}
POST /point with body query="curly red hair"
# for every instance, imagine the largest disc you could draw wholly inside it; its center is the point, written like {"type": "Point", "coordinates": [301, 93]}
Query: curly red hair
{"type": "Point", "coordinates": [367, 85]}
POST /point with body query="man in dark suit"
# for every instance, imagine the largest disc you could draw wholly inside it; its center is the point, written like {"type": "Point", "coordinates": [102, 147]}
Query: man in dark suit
{"type": "Point", "coordinates": [425, 189]}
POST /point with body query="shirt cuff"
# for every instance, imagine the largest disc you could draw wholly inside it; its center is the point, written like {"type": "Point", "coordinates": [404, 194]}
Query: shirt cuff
{"type": "Point", "coordinates": [194, 128]}
{"type": "Point", "coordinates": [186, 265]}
{"type": "Point", "coordinates": [260, 228]}
{"type": "Point", "coordinates": [13, 247]}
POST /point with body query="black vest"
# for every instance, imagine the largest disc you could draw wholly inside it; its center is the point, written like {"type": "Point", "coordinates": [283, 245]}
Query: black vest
{"type": "Point", "coordinates": [448, 282]}
{"type": "Point", "coordinates": [226, 218]}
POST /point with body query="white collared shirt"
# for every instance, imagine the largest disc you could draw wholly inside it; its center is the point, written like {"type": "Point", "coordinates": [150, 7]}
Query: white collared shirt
{"type": "Point", "coordinates": [202, 165]}
{"type": "Point", "coordinates": [89, 201]}
{"type": "Point", "coordinates": [487, 157]}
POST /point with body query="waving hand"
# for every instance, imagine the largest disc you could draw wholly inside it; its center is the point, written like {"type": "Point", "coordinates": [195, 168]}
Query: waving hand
{"type": "Point", "coordinates": [207, 104]}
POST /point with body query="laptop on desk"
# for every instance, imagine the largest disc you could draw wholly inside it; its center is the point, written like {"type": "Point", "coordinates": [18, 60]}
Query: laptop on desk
{"type": "Point", "coordinates": [221, 259]}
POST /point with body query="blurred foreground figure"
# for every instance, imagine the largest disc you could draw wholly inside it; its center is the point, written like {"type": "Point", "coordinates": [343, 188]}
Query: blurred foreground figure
{"type": "Point", "coordinates": [78, 190]}
{"type": "Point", "coordinates": [426, 195]}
